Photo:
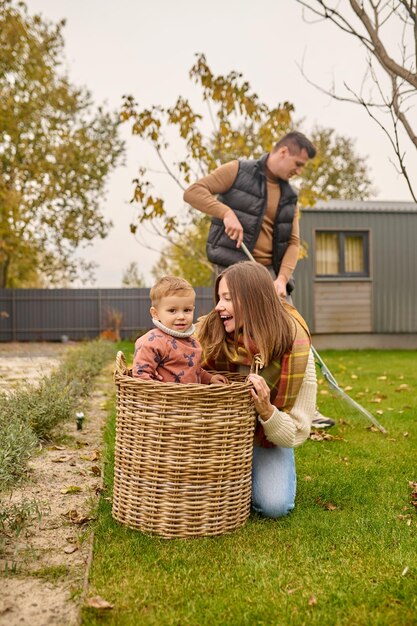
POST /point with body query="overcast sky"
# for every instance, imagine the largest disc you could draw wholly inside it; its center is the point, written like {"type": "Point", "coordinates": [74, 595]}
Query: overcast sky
{"type": "Point", "coordinates": [146, 49]}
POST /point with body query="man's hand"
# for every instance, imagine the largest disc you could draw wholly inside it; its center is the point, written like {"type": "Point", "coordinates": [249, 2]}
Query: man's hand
{"type": "Point", "coordinates": [280, 285]}
{"type": "Point", "coordinates": [233, 227]}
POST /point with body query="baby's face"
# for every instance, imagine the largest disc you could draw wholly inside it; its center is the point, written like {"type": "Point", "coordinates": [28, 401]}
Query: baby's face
{"type": "Point", "coordinates": [175, 312]}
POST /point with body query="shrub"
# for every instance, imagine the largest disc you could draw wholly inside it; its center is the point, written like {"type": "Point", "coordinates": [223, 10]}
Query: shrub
{"type": "Point", "coordinates": [32, 412]}
{"type": "Point", "coordinates": [17, 442]}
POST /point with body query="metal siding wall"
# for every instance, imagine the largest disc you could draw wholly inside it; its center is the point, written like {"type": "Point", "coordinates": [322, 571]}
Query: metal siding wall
{"type": "Point", "coordinates": [393, 261]}
{"type": "Point", "coordinates": [50, 314]}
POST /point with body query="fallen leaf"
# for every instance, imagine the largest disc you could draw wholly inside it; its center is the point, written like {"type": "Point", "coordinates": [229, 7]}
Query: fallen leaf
{"type": "Point", "coordinates": [379, 412]}
{"type": "Point", "coordinates": [348, 388]}
{"type": "Point", "coordinates": [61, 459]}
{"type": "Point", "coordinates": [95, 470]}
{"type": "Point", "coordinates": [381, 377]}
{"type": "Point", "coordinates": [405, 434]}
{"type": "Point", "coordinates": [403, 387]}
{"type": "Point", "coordinates": [324, 392]}
{"type": "Point", "coordinates": [71, 489]}
{"type": "Point", "coordinates": [312, 601]}
{"type": "Point", "coordinates": [93, 456]}
{"type": "Point", "coordinates": [329, 506]}
{"type": "Point", "coordinates": [97, 602]}
{"type": "Point", "coordinates": [70, 549]}
{"type": "Point", "coordinates": [307, 478]}
{"type": "Point", "coordinates": [319, 435]}
{"type": "Point", "coordinates": [405, 570]}
{"type": "Point", "coordinates": [58, 448]}
{"type": "Point", "coordinates": [353, 376]}
{"type": "Point", "coordinates": [376, 400]}
{"type": "Point", "coordinates": [78, 518]}
{"type": "Point", "coordinates": [5, 606]}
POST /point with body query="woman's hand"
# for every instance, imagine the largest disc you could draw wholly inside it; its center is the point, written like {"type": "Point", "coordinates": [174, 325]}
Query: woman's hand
{"type": "Point", "coordinates": [219, 379]}
{"type": "Point", "coordinates": [261, 396]}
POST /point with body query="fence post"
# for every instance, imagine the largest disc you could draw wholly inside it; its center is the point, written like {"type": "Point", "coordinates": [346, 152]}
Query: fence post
{"type": "Point", "coordinates": [14, 315]}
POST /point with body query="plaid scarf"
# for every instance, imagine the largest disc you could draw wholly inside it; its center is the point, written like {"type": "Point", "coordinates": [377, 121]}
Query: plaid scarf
{"type": "Point", "coordinates": [283, 377]}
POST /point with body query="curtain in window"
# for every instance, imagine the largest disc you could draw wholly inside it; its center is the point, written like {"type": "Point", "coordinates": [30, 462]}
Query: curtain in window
{"type": "Point", "coordinates": [354, 259]}
{"type": "Point", "coordinates": [327, 254]}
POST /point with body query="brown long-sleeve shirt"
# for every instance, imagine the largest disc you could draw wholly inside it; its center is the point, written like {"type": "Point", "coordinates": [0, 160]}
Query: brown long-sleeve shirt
{"type": "Point", "coordinates": [202, 195]}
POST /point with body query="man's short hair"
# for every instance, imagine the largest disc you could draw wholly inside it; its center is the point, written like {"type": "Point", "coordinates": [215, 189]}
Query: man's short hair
{"type": "Point", "coordinates": [295, 142]}
{"type": "Point", "coordinates": [169, 286]}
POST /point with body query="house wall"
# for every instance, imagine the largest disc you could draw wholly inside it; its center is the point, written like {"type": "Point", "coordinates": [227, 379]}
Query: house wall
{"type": "Point", "coordinates": [388, 299]}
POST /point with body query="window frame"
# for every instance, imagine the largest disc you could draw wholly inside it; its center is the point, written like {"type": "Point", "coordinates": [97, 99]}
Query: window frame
{"type": "Point", "coordinates": [342, 234]}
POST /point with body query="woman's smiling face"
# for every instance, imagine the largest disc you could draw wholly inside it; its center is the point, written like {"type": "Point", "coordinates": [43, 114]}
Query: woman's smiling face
{"type": "Point", "coordinates": [224, 307]}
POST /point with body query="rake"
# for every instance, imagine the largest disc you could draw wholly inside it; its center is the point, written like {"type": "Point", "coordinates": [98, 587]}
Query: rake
{"type": "Point", "coordinates": [329, 376]}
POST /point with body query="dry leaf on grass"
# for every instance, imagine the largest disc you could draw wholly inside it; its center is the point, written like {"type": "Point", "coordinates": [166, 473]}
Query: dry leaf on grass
{"type": "Point", "coordinates": [320, 435]}
{"type": "Point", "coordinates": [413, 495]}
{"type": "Point", "coordinates": [403, 387]}
{"type": "Point", "coordinates": [70, 549]}
{"type": "Point", "coordinates": [97, 602]}
{"type": "Point", "coordinates": [329, 506]}
{"type": "Point", "coordinates": [312, 600]}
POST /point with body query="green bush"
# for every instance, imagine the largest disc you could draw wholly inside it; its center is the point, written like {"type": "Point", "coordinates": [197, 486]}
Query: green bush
{"type": "Point", "coordinates": [32, 412]}
{"type": "Point", "coordinates": [17, 443]}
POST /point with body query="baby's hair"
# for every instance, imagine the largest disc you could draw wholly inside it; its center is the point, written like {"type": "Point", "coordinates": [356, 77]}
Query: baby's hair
{"type": "Point", "coordinates": [169, 286]}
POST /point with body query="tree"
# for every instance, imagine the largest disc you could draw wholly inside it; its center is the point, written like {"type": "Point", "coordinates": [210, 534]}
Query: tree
{"type": "Point", "coordinates": [387, 31]}
{"type": "Point", "coordinates": [187, 257]}
{"type": "Point", "coordinates": [56, 153]}
{"type": "Point", "coordinates": [132, 277]}
{"type": "Point", "coordinates": [239, 124]}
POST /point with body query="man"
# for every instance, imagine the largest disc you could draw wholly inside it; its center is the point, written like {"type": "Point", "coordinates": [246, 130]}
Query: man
{"type": "Point", "coordinates": [251, 201]}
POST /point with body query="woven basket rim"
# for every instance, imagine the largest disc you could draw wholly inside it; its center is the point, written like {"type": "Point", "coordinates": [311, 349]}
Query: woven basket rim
{"type": "Point", "coordinates": [123, 374]}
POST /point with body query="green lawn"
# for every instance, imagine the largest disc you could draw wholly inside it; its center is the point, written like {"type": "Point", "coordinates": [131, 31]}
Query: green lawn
{"type": "Point", "coordinates": [346, 555]}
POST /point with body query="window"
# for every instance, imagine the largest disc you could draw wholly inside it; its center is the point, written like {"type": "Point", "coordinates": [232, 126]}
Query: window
{"type": "Point", "coordinates": [342, 253]}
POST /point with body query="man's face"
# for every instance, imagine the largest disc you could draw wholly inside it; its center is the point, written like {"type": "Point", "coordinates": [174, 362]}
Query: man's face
{"type": "Point", "coordinates": [285, 165]}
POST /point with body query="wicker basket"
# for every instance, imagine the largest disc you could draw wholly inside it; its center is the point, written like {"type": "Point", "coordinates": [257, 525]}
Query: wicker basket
{"type": "Point", "coordinates": [183, 456]}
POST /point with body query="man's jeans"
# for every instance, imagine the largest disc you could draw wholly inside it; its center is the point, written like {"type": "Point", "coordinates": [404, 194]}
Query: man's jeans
{"type": "Point", "coordinates": [273, 481]}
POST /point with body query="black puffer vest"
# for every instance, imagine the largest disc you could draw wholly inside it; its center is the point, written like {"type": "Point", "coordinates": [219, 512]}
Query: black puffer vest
{"type": "Point", "coordinates": [247, 198]}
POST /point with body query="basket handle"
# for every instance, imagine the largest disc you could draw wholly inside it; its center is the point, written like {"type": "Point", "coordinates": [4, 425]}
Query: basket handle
{"type": "Point", "coordinates": [257, 363]}
{"type": "Point", "coordinates": [121, 366]}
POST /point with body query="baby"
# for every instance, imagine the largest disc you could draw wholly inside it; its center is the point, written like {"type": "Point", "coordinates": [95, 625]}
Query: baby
{"type": "Point", "coordinates": [171, 353]}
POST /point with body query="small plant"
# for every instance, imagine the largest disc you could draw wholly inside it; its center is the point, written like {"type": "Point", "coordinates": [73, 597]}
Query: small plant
{"type": "Point", "coordinates": [113, 320]}
{"type": "Point", "coordinates": [15, 517]}
{"type": "Point", "coordinates": [51, 574]}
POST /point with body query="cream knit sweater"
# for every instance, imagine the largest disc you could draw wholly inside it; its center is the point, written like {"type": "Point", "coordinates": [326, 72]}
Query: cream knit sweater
{"type": "Point", "coordinates": [291, 429]}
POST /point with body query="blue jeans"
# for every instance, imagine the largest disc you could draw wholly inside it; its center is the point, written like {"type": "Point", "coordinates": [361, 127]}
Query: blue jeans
{"type": "Point", "coordinates": [273, 481]}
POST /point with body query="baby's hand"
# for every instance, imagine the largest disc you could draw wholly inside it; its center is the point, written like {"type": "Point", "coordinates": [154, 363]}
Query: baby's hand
{"type": "Point", "coordinates": [219, 379]}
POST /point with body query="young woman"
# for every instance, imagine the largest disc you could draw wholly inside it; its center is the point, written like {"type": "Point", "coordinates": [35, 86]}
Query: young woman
{"type": "Point", "coordinates": [250, 320]}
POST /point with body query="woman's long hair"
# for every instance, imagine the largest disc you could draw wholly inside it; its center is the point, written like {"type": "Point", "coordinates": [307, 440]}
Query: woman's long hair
{"type": "Point", "coordinates": [258, 313]}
